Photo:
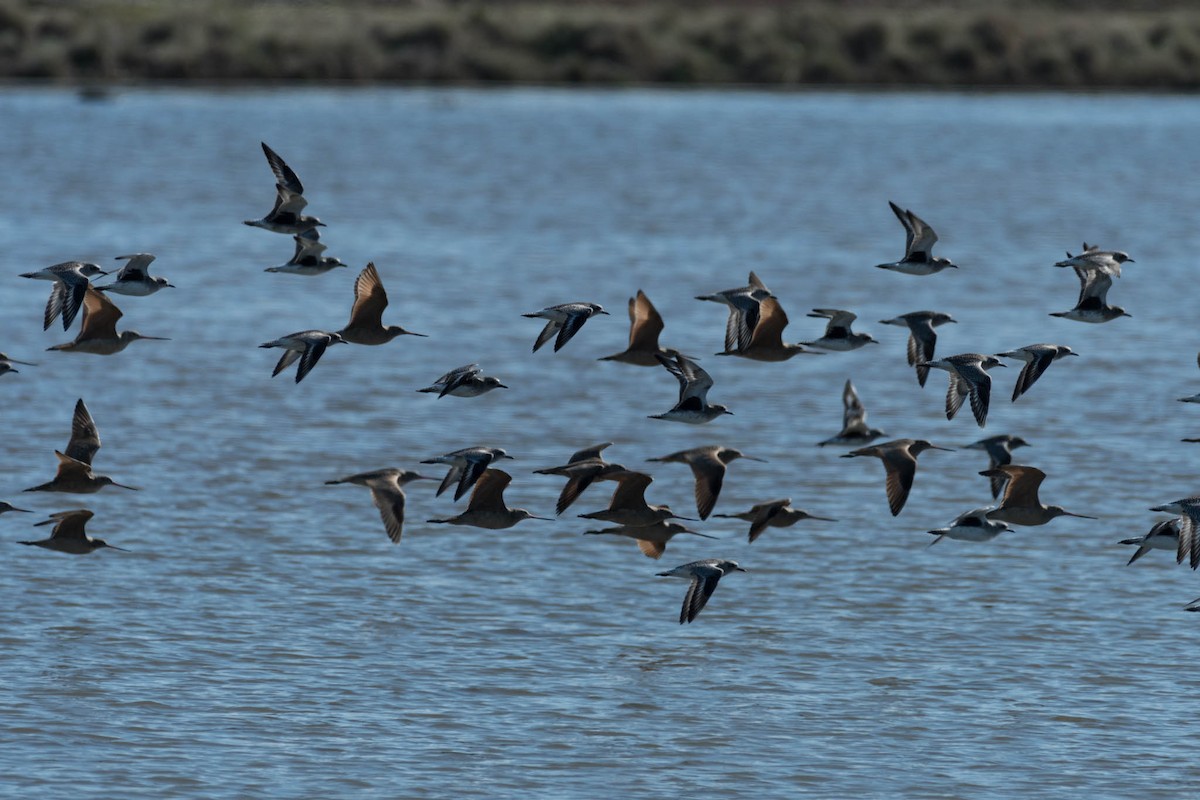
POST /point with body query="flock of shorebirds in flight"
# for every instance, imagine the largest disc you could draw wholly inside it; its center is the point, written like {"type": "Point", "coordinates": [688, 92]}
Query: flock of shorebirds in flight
{"type": "Point", "coordinates": [754, 330]}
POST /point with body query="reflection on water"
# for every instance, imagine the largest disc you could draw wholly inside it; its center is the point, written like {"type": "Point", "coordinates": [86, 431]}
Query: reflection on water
{"type": "Point", "coordinates": [263, 620]}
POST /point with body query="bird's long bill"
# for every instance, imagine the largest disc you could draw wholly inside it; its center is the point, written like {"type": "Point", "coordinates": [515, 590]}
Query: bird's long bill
{"type": "Point", "coordinates": [1165, 508]}
{"type": "Point", "coordinates": [156, 338]}
{"type": "Point", "coordinates": [947, 449]}
{"type": "Point", "coordinates": [123, 486]}
{"type": "Point", "coordinates": [752, 458]}
{"type": "Point", "coordinates": [693, 519]}
{"type": "Point", "coordinates": [544, 519]}
{"type": "Point", "coordinates": [1081, 516]}
{"type": "Point", "coordinates": [704, 535]}
{"type": "Point", "coordinates": [26, 363]}
{"type": "Point", "coordinates": [114, 547]}
{"type": "Point", "coordinates": [823, 519]}
{"type": "Point", "coordinates": [423, 478]}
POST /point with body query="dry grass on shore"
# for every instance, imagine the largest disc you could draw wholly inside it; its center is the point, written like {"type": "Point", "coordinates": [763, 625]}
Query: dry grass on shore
{"type": "Point", "coordinates": [782, 44]}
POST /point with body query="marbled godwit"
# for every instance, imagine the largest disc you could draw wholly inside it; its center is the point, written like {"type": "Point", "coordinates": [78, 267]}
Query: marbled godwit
{"type": "Point", "coordinates": [366, 315]}
{"type": "Point", "coordinates": [708, 467]}
{"type": "Point", "coordinates": [628, 506]}
{"type": "Point", "coordinates": [68, 535]}
{"type": "Point", "coordinates": [899, 458]}
{"type": "Point", "coordinates": [76, 477]}
{"type": "Point", "coordinates": [98, 331]}
{"type": "Point", "coordinates": [651, 539]}
{"type": "Point", "coordinates": [766, 342]}
{"type": "Point", "coordinates": [6, 507]}
{"type": "Point", "coordinates": [704, 576]}
{"type": "Point", "coordinates": [387, 491]}
{"type": "Point", "coordinates": [1020, 504]}
{"type": "Point", "coordinates": [919, 239]}
{"type": "Point", "coordinates": [775, 514]}
{"type": "Point", "coordinates": [645, 326]}
{"type": "Point", "coordinates": [486, 508]}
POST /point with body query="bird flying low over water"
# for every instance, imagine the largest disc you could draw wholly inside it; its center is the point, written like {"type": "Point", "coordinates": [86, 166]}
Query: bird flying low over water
{"type": "Point", "coordinates": [971, 526]}
{"type": "Point", "coordinates": [854, 421]}
{"type": "Point", "coordinates": [743, 316]}
{"type": "Point", "coordinates": [308, 259]}
{"type": "Point", "coordinates": [366, 315]}
{"type": "Point", "coordinates": [838, 335]}
{"type": "Point", "coordinates": [1037, 358]}
{"type": "Point", "coordinates": [999, 450]}
{"type": "Point", "coordinates": [899, 458]}
{"type": "Point", "coordinates": [766, 342]}
{"type": "Point", "coordinates": [1164, 535]}
{"type": "Point", "coordinates": [467, 381]}
{"type": "Point", "coordinates": [135, 279]}
{"type": "Point", "coordinates": [1092, 305]}
{"type": "Point", "coordinates": [1094, 259]}
{"type": "Point", "coordinates": [466, 465]}
{"type": "Point", "coordinates": [968, 378]}
{"type": "Point", "coordinates": [708, 468]}
{"type": "Point", "coordinates": [921, 337]}
{"type": "Point", "coordinates": [387, 491]}
{"type": "Point", "coordinates": [487, 509]}
{"type": "Point", "coordinates": [69, 536]}
{"type": "Point", "coordinates": [919, 239]}
{"type": "Point", "coordinates": [693, 406]}
{"type": "Point", "coordinates": [628, 506]}
{"type": "Point", "coordinates": [704, 576]}
{"type": "Point", "coordinates": [584, 468]}
{"type": "Point", "coordinates": [1188, 544]}
{"type": "Point", "coordinates": [70, 285]}
{"type": "Point", "coordinates": [651, 539]}
{"type": "Point", "coordinates": [1020, 504]}
{"type": "Point", "coordinates": [98, 331]}
{"type": "Point", "coordinates": [774, 514]}
{"type": "Point", "coordinates": [565, 319]}
{"type": "Point", "coordinates": [308, 346]}
{"type": "Point", "coordinates": [645, 326]}
{"type": "Point", "coordinates": [285, 216]}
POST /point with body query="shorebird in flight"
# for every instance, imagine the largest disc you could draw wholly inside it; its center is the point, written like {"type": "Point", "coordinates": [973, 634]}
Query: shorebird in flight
{"type": "Point", "coordinates": [744, 307]}
{"type": "Point", "coordinates": [387, 491]}
{"type": "Point", "coordinates": [98, 331]}
{"type": "Point", "coordinates": [693, 406]}
{"type": "Point", "coordinates": [309, 258]}
{"type": "Point", "coordinates": [565, 319]}
{"type": "Point", "coordinates": [308, 346]}
{"type": "Point", "coordinates": [1188, 544]}
{"type": "Point", "coordinates": [1163, 536]}
{"type": "Point", "coordinates": [628, 506]}
{"type": "Point", "coordinates": [999, 450]}
{"type": "Point", "coordinates": [7, 507]}
{"type": "Point", "coordinates": [70, 285]}
{"type": "Point", "coordinates": [708, 468]}
{"type": "Point", "coordinates": [1020, 504]}
{"type": "Point", "coordinates": [466, 466]}
{"type": "Point", "coordinates": [1094, 259]}
{"type": "Point", "coordinates": [1092, 305]}
{"type": "Point", "coordinates": [584, 468]}
{"type": "Point", "coordinates": [899, 458]}
{"type": "Point", "coordinates": [968, 378]}
{"type": "Point", "coordinates": [645, 326]}
{"type": "Point", "coordinates": [919, 239]}
{"type": "Point", "coordinates": [486, 508]}
{"type": "Point", "coordinates": [774, 514]}
{"type": "Point", "coordinates": [467, 381]}
{"type": "Point", "coordinates": [838, 335]}
{"type": "Point", "coordinates": [366, 315]}
{"type": "Point", "coordinates": [1037, 358]}
{"type": "Point", "coordinates": [854, 421]}
{"type": "Point", "coordinates": [285, 216]}
{"type": "Point", "coordinates": [651, 539]}
{"type": "Point", "coordinates": [766, 342]}
{"type": "Point", "coordinates": [68, 535]}
{"type": "Point", "coordinates": [704, 576]}
{"type": "Point", "coordinates": [6, 364]}
{"type": "Point", "coordinates": [921, 337]}
{"type": "Point", "coordinates": [135, 279]}
{"type": "Point", "coordinates": [971, 526]}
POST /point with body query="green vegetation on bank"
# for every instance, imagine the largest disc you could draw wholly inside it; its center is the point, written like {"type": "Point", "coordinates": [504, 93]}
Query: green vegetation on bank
{"type": "Point", "coordinates": [780, 44]}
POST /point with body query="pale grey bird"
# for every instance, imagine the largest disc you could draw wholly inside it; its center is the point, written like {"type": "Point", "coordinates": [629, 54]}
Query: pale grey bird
{"type": "Point", "coordinates": [387, 491]}
{"type": "Point", "coordinates": [971, 526]}
{"type": "Point", "coordinates": [854, 421]}
{"type": "Point", "coordinates": [565, 320]}
{"type": "Point", "coordinates": [309, 258]}
{"type": "Point", "coordinates": [466, 466]}
{"type": "Point", "coordinates": [1163, 536]}
{"type": "Point", "coordinates": [70, 286]}
{"type": "Point", "coordinates": [921, 337]}
{"type": "Point", "coordinates": [968, 378]}
{"type": "Point", "coordinates": [919, 239]}
{"type": "Point", "coordinates": [694, 382]}
{"type": "Point", "coordinates": [468, 381]}
{"type": "Point", "coordinates": [1092, 305]}
{"type": "Point", "coordinates": [68, 535]}
{"type": "Point", "coordinates": [135, 279]}
{"type": "Point", "coordinates": [743, 303]}
{"type": "Point", "coordinates": [838, 335]}
{"type": "Point", "coordinates": [1094, 259]}
{"type": "Point", "coordinates": [308, 346]}
{"type": "Point", "coordinates": [1037, 358]}
{"type": "Point", "coordinates": [1188, 545]}
{"type": "Point", "coordinates": [704, 576]}
{"type": "Point", "coordinates": [285, 216]}
{"type": "Point", "coordinates": [999, 450]}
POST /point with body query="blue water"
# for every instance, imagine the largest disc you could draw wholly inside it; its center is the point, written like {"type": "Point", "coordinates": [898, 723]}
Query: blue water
{"type": "Point", "coordinates": [264, 639]}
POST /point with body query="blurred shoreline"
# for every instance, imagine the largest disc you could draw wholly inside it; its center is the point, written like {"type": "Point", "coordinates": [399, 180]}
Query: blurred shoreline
{"type": "Point", "coordinates": [868, 43]}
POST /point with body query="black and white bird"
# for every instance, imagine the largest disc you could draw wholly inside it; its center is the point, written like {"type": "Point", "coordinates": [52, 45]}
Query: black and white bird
{"type": "Point", "coordinates": [838, 335]}
{"type": "Point", "coordinates": [921, 337]}
{"type": "Point", "coordinates": [565, 320]}
{"type": "Point", "coordinates": [693, 406]}
{"type": "Point", "coordinates": [919, 239]}
{"type": "Point", "coordinates": [467, 381]}
{"type": "Point", "coordinates": [854, 421]}
{"type": "Point", "coordinates": [743, 303]}
{"type": "Point", "coordinates": [134, 279]}
{"type": "Point", "coordinates": [285, 216]}
{"type": "Point", "coordinates": [704, 576]}
{"type": "Point", "coordinates": [308, 346]}
{"type": "Point", "coordinates": [71, 282]}
{"type": "Point", "coordinates": [1037, 358]}
{"type": "Point", "coordinates": [968, 378]}
{"type": "Point", "coordinates": [466, 465]}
